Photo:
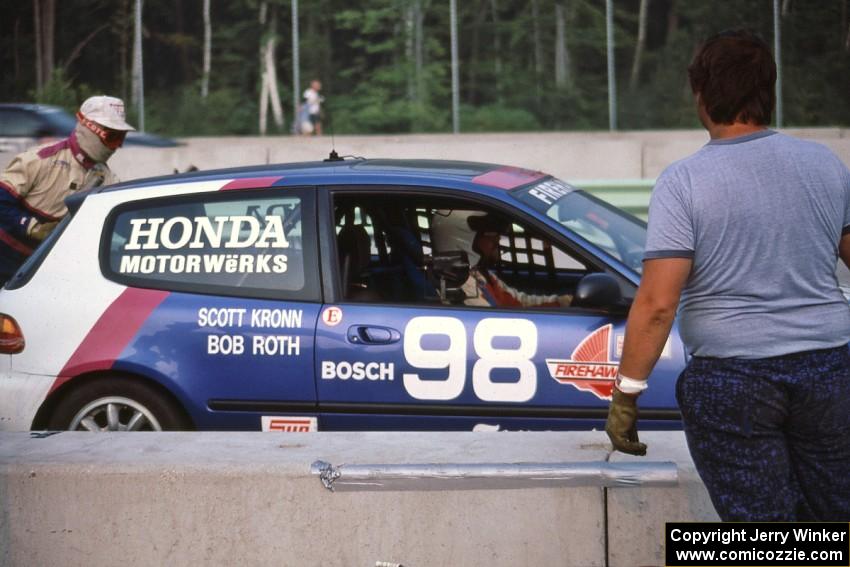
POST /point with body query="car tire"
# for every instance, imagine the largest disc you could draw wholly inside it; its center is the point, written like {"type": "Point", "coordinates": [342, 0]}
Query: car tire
{"type": "Point", "coordinates": [117, 404]}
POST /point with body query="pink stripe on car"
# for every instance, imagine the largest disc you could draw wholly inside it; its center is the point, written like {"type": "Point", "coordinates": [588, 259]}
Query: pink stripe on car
{"type": "Point", "coordinates": [111, 334]}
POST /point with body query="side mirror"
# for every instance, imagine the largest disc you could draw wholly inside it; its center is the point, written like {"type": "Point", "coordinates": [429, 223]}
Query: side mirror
{"type": "Point", "coordinates": [597, 290]}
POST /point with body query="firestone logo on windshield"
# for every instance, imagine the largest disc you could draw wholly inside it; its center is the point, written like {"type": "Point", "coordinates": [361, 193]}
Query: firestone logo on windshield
{"type": "Point", "coordinates": [589, 368]}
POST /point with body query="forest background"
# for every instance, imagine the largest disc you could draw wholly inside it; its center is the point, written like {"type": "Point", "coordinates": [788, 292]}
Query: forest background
{"type": "Point", "coordinates": [525, 65]}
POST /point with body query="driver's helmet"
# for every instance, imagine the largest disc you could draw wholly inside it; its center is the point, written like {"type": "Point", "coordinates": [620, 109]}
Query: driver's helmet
{"type": "Point", "coordinates": [450, 231]}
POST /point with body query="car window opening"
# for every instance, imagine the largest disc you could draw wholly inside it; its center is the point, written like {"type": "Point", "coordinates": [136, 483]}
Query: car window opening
{"type": "Point", "coordinates": [422, 250]}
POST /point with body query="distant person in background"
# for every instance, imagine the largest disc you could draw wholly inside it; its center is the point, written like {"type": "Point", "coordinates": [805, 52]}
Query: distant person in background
{"type": "Point", "coordinates": [313, 105]}
{"type": "Point", "coordinates": [34, 185]}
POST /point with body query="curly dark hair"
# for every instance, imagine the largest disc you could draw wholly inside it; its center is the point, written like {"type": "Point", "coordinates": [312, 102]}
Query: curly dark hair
{"type": "Point", "coordinates": [734, 74]}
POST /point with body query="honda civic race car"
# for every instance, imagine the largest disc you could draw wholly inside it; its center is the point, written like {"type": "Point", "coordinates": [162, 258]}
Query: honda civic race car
{"type": "Point", "coordinates": [328, 296]}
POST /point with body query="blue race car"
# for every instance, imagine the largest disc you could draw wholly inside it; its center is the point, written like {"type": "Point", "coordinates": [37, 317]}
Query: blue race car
{"type": "Point", "coordinates": [336, 295]}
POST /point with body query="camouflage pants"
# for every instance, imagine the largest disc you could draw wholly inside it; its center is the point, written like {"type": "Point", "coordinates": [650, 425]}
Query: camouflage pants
{"type": "Point", "coordinates": [771, 437]}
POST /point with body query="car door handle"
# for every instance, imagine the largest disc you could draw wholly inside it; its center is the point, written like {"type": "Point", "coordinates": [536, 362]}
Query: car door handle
{"type": "Point", "coordinates": [367, 334]}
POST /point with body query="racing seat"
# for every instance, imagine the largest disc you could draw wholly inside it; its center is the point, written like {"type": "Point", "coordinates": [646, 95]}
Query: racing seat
{"type": "Point", "coordinates": [407, 254]}
{"type": "Point", "coordinates": [353, 247]}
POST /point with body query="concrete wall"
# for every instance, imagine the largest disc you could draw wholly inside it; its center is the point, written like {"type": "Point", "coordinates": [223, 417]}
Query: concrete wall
{"type": "Point", "coordinates": [568, 155]}
{"type": "Point", "coordinates": [251, 499]}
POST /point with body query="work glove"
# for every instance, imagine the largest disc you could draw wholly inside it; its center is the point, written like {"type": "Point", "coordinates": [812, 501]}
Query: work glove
{"type": "Point", "coordinates": [621, 425]}
{"type": "Point", "coordinates": [40, 230]}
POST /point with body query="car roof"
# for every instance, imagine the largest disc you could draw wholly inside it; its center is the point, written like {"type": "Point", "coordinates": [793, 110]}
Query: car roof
{"type": "Point", "coordinates": [30, 107]}
{"type": "Point", "coordinates": [61, 123]}
{"type": "Point", "coordinates": [445, 173]}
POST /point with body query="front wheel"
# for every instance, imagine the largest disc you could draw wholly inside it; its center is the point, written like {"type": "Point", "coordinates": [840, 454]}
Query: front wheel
{"type": "Point", "coordinates": [116, 404]}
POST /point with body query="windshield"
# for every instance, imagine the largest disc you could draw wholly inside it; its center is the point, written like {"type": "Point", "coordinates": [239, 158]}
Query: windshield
{"type": "Point", "coordinates": [620, 234]}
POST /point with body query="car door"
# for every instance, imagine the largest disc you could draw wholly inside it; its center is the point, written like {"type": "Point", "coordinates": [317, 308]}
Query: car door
{"type": "Point", "coordinates": [390, 364]}
{"type": "Point", "coordinates": [234, 297]}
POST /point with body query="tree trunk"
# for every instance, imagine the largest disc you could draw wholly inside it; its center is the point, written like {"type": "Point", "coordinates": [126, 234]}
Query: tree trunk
{"type": "Point", "coordinates": [497, 48]}
{"type": "Point", "coordinates": [268, 88]}
{"type": "Point", "coordinates": [672, 20]}
{"type": "Point", "coordinates": [845, 25]}
{"type": "Point", "coordinates": [409, 41]}
{"type": "Point", "coordinates": [277, 109]}
{"type": "Point", "coordinates": [17, 50]}
{"type": "Point", "coordinates": [562, 63]}
{"type": "Point", "coordinates": [264, 89]}
{"type": "Point", "coordinates": [205, 78]}
{"type": "Point", "coordinates": [180, 29]}
{"type": "Point", "coordinates": [538, 49]}
{"type": "Point", "coordinates": [847, 40]}
{"type": "Point", "coordinates": [418, 48]}
{"type": "Point", "coordinates": [48, 21]}
{"type": "Point", "coordinates": [328, 59]}
{"type": "Point", "coordinates": [641, 43]}
{"type": "Point", "coordinates": [475, 50]}
{"type": "Point", "coordinates": [274, 93]}
{"type": "Point", "coordinates": [124, 40]}
{"type": "Point", "coordinates": [136, 86]}
{"type": "Point", "coordinates": [296, 63]}
{"type": "Point", "coordinates": [39, 72]}
{"type": "Point", "coordinates": [786, 7]}
{"type": "Point", "coordinates": [413, 48]}
{"type": "Point", "coordinates": [44, 20]}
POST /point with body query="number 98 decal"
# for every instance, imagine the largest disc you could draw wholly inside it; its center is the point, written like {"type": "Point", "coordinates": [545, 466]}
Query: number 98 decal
{"type": "Point", "coordinates": [454, 359]}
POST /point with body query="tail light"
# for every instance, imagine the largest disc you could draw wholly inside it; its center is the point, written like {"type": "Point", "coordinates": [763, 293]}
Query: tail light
{"type": "Point", "coordinates": [11, 338]}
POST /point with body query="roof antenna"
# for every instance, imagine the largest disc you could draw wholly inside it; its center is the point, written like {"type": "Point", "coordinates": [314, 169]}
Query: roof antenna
{"type": "Point", "coordinates": [333, 155]}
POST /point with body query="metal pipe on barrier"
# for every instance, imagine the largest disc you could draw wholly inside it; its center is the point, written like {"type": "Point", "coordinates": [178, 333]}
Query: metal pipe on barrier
{"type": "Point", "coordinates": [476, 476]}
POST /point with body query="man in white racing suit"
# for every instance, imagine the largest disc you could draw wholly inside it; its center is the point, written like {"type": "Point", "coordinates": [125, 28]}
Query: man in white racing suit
{"type": "Point", "coordinates": [483, 287]}
{"type": "Point", "coordinates": [35, 184]}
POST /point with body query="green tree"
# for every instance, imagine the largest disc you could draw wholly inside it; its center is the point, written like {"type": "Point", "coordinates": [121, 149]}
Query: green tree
{"type": "Point", "coordinates": [385, 64]}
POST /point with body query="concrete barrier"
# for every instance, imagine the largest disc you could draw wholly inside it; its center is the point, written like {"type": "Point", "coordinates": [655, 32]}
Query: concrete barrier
{"type": "Point", "coordinates": [251, 498]}
{"type": "Point", "coordinates": [568, 155]}
{"type": "Point", "coordinates": [636, 516]}
{"type": "Point", "coordinates": [619, 167]}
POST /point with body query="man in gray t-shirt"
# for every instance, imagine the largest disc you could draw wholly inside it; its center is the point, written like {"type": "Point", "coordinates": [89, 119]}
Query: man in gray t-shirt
{"type": "Point", "coordinates": [747, 232]}
{"type": "Point", "coordinates": [760, 215]}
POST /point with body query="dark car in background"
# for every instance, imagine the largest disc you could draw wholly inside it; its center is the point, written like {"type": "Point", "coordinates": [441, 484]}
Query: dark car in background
{"type": "Point", "coordinates": [23, 125]}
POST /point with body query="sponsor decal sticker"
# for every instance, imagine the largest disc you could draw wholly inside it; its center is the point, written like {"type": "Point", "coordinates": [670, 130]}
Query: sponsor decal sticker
{"type": "Point", "coordinates": [206, 245]}
{"type": "Point", "coordinates": [508, 177]}
{"type": "Point", "coordinates": [332, 316]}
{"type": "Point", "coordinates": [114, 330]}
{"type": "Point", "coordinates": [251, 183]}
{"type": "Point", "coordinates": [290, 424]}
{"type": "Point", "coordinates": [590, 367]}
{"type": "Point", "coordinates": [372, 371]}
{"type": "Point", "coordinates": [241, 320]}
{"type": "Point", "coordinates": [550, 191]}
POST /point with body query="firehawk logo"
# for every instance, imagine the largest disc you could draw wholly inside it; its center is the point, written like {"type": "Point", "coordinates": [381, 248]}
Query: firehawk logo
{"type": "Point", "coordinates": [589, 368]}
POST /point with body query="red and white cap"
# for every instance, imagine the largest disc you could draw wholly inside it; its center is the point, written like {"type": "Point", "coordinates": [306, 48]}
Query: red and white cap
{"type": "Point", "coordinates": [107, 111]}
